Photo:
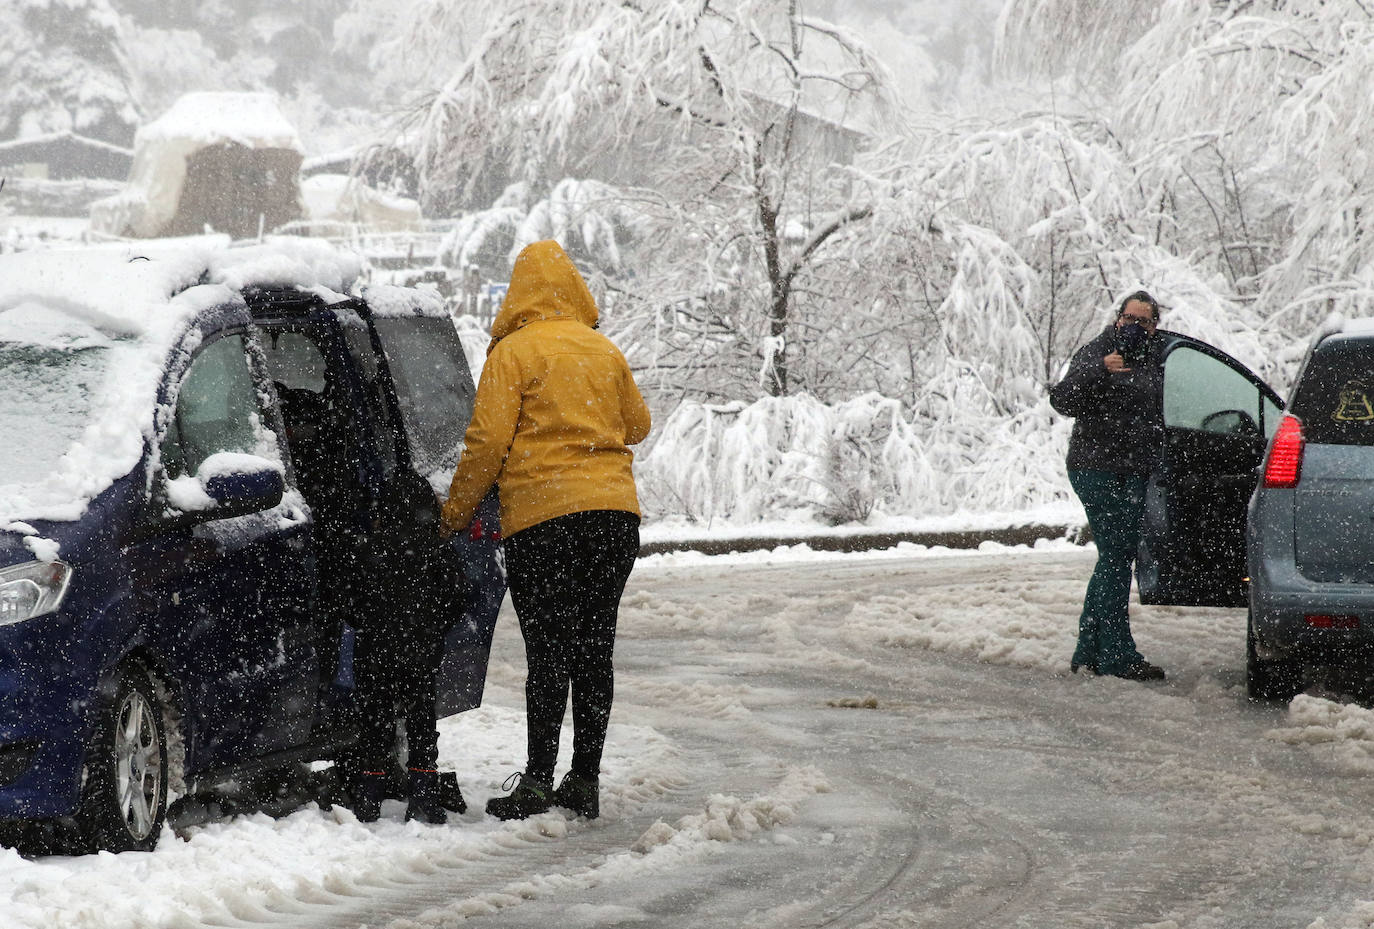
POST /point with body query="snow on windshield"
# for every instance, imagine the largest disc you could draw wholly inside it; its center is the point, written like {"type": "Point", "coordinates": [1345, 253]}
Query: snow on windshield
{"type": "Point", "coordinates": [52, 368]}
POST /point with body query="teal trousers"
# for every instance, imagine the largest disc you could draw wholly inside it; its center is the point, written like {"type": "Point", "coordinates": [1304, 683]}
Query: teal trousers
{"type": "Point", "coordinates": [1115, 504]}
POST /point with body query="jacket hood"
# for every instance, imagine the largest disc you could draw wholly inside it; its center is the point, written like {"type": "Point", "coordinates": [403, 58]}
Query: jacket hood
{"type": "Point", "coordinates": [544, 284]}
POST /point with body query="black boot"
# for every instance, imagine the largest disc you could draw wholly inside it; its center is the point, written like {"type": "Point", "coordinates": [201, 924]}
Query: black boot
{"type": "Point", "coordinates": [529, 797]}
{"type": "Point", "coordinates": [367, 794]}
{"type": "Point", "coordinates": [425, 800]}
{"type": "Point", "coordinates": [450, 795]}
{"type": "Point", "coordinates": [1142, 670]}
{"type": "Point", "coordinates": [580, 794]}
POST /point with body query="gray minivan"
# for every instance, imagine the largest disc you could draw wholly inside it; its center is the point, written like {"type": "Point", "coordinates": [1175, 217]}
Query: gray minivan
{"type": "Point", "coordinates": [1311, 524]}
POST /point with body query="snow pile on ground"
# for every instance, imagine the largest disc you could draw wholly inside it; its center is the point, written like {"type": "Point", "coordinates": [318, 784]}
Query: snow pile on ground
{"type": "Point", "coordinates": [1342, 733]}
{"type": "Point", "coordinates": [801, 552]}
{"type": "Point", "coordinates": [257, 868]}
{"type": "Point", "coordinates": [251, 866]}
{"type": "Point", "coordinates": [730, 819]}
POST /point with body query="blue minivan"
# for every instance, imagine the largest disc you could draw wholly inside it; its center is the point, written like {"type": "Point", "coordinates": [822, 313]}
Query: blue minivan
{"type": "Point", "coordinates": [195, 446]}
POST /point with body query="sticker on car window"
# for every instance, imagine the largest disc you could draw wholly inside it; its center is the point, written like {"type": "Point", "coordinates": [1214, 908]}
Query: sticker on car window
{"type": "Point", "coordinates": [1354, 404]}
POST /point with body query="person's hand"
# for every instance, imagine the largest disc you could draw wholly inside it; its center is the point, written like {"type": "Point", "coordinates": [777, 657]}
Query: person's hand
{"type": "Point", "coordinates": [444, 530]}
{"type": "Point", "coordinates": [1115, 363]}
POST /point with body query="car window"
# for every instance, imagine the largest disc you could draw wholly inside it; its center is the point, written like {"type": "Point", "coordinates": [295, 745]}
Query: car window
{"type": "Point", "coordinates": [433, 385]}
{"type": "Point", "coordinates": [1335, 396]}
{"type": "Point", "coordinates": [295, 361]}
{"type": "Point", "coordinates": [359, 344]}
{"type": "Point", "coordinates": [217, 410]}
{"type": "Point", "coordinates": [1205, 393]}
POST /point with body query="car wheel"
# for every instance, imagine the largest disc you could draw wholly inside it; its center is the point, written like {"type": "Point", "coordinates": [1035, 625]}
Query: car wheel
{"type": "Point", "coordinates": [1274, 679]}
{"type": "Point", "coordinates": [124, 787]}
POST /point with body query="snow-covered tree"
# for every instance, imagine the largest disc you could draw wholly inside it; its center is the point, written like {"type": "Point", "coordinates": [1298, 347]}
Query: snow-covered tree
{"type": "Point", "coordinates": [728, 122]}
{"type": "Point", "coordinates": [194, 45]}
{"type": "Point", "coordinates": [1247, 125]}
{"type": "Point", "coordinates": [65, 70]}
{"type": "Point", "coordinates": [400, 41]}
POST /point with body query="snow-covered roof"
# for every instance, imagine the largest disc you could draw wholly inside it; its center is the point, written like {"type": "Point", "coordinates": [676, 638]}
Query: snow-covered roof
{"type": "Point", "coordinates": [253, 120]}
{"type": "Point", "coordinates": [162, 147]}
{"type": "Point", "coordinates": [31, 142]}
{"type": "Point", "coordinates": [85, 414]}
{"type": "Point", "coordinates": [386, 300]}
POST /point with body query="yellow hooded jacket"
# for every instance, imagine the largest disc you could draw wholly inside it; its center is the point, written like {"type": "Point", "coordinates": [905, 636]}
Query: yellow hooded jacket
{"type": "Point", "coordinates": [556, 409]}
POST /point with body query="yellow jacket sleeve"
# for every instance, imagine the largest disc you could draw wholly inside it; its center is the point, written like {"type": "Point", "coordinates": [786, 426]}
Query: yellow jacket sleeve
{"type": "Point", "coordinates": [634, 411]}
{"type": "Point", "coordinates": [487, 441]}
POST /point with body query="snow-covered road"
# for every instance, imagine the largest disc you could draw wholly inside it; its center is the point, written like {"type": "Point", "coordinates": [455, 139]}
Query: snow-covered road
{"type": "Point", "coordinates": [889, 740]}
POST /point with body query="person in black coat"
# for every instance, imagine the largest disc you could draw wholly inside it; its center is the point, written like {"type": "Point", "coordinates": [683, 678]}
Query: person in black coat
{"type": "Point", "coordinates": [1114, 390]}
{"type": "Point", "coordinates": [418, 592]}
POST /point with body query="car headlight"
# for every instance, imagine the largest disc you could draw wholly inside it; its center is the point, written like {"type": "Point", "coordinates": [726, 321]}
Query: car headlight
{"type": "Point", "coordinates": [32, 589]}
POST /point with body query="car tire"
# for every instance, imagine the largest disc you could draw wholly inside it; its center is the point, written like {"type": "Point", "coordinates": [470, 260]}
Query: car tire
{"type": "Point", "coordinates": [1274, 679]}
{"type": "Point", "coordinates": [124, 782]}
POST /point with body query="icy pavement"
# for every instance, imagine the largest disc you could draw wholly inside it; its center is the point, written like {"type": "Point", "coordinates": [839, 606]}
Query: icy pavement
{"type": "Point", "coordinates": [887, 740]}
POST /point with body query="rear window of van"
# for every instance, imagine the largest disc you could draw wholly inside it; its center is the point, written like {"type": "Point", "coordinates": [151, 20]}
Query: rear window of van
{"type": "Point", "coordinates": [1335, 398]}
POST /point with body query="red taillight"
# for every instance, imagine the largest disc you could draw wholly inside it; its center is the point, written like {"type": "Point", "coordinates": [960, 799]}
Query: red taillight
{"type": "Point", "coordinates": [1284, 466]}
{"type": "Point", "coordinates": [1329, 621]}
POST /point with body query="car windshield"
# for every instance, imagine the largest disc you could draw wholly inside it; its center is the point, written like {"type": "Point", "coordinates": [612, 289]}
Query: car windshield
{"type": "Point", "coordinates": [52, 370]}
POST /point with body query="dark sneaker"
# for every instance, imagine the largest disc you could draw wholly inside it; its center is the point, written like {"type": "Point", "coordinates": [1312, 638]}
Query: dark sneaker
{"type": "Point", "coordinates": [579, 794]}
{"type": "Point", "coordinates": [1142, 670]}
{"type": "Point", "coordinates": [528, 798]}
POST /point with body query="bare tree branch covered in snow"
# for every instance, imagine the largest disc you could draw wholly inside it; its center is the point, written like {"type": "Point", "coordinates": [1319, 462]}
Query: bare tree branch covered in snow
{"type": "Point", "coordinates": [1248, 122]}
{"type": "Point", "coordinates": [727, 123]}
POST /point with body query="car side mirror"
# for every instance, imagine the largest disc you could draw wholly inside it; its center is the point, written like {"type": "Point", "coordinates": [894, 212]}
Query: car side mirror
{"type": "Point", "coordinates": [238, 484]}
{"type": "Point", "coordinates": [226, 484]}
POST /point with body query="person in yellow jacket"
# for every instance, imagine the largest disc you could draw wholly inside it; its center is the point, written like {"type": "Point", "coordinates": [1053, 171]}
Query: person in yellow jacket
{"type": "Point", "coordinates": [557, 410]}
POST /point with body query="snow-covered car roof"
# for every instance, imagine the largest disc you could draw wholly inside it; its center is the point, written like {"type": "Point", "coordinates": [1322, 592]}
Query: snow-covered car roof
{"type": "Point", "coordinates": [84, 336]}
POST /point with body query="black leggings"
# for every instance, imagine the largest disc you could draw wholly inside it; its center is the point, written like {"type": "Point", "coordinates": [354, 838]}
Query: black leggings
{"type": "Point", "coordinates": [395, 671]}
{"type": "Point", "coordinates": [566, 577]}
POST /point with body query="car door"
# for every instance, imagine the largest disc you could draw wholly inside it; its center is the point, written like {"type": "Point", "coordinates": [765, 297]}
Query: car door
{"type": "Point", "coordinates": [1218, 417]}
{"type": "Point", "coordinates": [228, 600]}
{"type": "Point", "coordinates": [342, 458]}
{"type": "Point", "coordinates": [434, 391]}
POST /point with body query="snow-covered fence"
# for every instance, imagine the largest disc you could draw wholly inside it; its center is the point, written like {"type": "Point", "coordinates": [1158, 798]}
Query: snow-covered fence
{"type": "Point", "coordinates": [791, 457]}
{"type": "Point", "coordinates": [383, 248]}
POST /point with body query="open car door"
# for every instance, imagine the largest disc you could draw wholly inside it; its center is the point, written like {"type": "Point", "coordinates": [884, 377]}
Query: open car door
{"type": "Point", "coordinates": [427, 374]}
{"type": "Point", "coordinates": [1218, 417]}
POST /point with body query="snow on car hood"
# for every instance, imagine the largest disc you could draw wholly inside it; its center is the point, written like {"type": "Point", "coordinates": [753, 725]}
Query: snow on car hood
{"type": "Point", "coordinates": [84, 338]}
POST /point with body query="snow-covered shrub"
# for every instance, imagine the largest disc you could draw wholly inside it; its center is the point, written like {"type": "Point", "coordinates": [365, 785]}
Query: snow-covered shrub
{"type": "Point", "coordinates": [795, 457]}
{"type": "Point", "coordinates": [591, 220]}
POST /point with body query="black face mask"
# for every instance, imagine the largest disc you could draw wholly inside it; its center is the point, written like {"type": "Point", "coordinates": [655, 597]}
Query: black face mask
{"type": "Point", "coordinates": [1130, 342]}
